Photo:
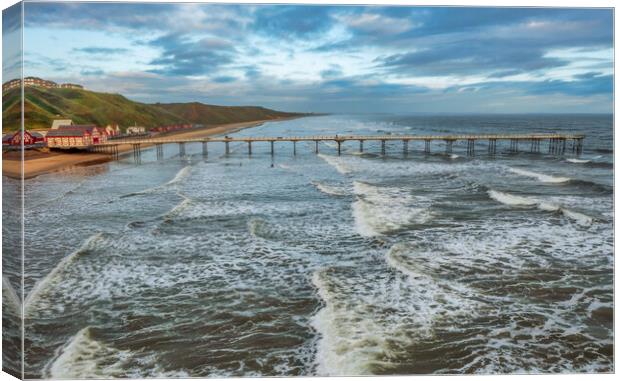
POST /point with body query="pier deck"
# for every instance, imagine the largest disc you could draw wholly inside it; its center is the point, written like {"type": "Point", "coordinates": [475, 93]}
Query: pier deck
{"type": "Point", "coordinates": [557, 143]}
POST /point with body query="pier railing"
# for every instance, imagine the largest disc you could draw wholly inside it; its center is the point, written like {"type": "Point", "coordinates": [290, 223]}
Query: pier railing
{"type": "Point", "coordinates": [556, 143]}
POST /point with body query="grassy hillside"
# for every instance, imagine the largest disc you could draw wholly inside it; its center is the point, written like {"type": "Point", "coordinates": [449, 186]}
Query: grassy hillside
{"type": "Point", "coordinates": [41, 106]}
{"type": "Point", "coordinates": [196, 112]}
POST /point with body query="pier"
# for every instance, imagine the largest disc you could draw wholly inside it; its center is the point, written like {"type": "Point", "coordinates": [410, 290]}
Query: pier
{"type": "Point", "coordinates": [556, 144]}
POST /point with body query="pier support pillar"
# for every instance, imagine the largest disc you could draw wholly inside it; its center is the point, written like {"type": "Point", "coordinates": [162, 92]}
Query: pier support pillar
{"type": "Point", "coordinates": [205, 149]}
{"type": "Point", "coordinates": [181, 149]}
{"type": "Point", "coordinates": [160, 151]}
{"type": "Point", "coordinates": [361, 146]}
{"type": "Point", "coordinates": [294, 148]}
{"type": "Point", "coordinates": [382, 147]}
{"type": "Point", "coordinates": [227, 148]}
{"type": "Point", "coordinates": [427, 146]}
{"type": "Point", "coordinates": [272, 151]}
{"type": "Point", "coordinates": [405, 147]}
{"type": "Point", "coordinates": [249, 147]}
{"type": "Point", "coordinates": [136, 153]}
{"type": "Point", "coordinates": [339, 143]}
{"type": "Point", "coordinates": [563, 146]}
{"type": "Point", "coordinates": [449, 146]}
{"type": "Point", "coordinates": [471, 144]}
{"type": "Point", "coordinates": [316, 146]}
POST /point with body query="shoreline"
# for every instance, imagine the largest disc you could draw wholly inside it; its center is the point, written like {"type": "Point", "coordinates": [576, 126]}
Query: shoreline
{"type": "Point", "coordinates": [57, 161]}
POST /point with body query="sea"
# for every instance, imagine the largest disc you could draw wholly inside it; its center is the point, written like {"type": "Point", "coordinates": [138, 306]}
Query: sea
{"type": "Point", "coordinates": [319, 264]}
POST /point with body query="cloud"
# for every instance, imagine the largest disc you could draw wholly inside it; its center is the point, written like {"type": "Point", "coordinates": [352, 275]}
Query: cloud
{"type": "Point", "coordinates": [583, 86]}
{"type": "Point", "coordinates": [100, 50]}
{"type": "Point", "coordinates": [288, 22]}
{"type": "Point", "coordinates": [182, 56]}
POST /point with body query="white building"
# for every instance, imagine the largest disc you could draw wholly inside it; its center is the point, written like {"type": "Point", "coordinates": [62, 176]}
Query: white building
{"type": "Point", "coordinates": [136, 130]}
{"type": "Point", "coordinates": [61, 122]}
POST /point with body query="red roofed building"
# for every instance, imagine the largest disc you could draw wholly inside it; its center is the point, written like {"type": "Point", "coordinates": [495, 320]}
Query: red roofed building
{"type": "Point", "coordinates": [75, 136]}
{"type": "Point", "coordinates": [15, 139]}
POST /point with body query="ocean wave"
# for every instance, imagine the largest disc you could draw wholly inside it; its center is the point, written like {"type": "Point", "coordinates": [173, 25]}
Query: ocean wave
{"type": "Point", "coordinates": [350, 341]}
{"type": "Point", "coordinates": [539, 176]}
{"type": "Point", "coordinates": [454, 156]}
{"type": "Point", "coordinates": [9, 294]}
{"type": "Point", "coordinates": [42, 285]}
{"type": "Point", "coordinates": [181, 175]}
{"type": "Point", "coordinates": [337, 163]}
{"type": "Point", "coordinates": [260, 228]}
{"type": "Point", "coordinates": [84, 357]}
{"type": "Point", "coordinates": [577, 161]}
{"type": "Point", "coordinates": [330, 189]}
{"type": "Point", "coordinates": [380, 210]}
{"type": "Point", "coordinates": [514, 200]}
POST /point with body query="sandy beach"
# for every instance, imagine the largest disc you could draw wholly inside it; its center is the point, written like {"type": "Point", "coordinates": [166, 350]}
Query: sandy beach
{"type": "Point", "coordinates": [40, 163]}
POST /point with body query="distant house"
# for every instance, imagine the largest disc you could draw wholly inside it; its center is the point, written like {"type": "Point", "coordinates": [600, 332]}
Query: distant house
{"type": "Point", "coordinates": [39, 82]}
{"type": "Point", "coordinates": [71, 86]}
{"type": "Point", "coordinates": [136, 130]}
{"type": "Point", "coordinates": [61, 122]}
{"type": "Point", "coordinates": [112, 130]}
{"type": "Point", "coordinates": [31, 138]}
{"type": "Point", "coordinates": [75, 136]}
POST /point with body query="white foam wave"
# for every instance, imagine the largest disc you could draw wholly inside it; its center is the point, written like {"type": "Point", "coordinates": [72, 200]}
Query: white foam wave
{"type": "Point", "coordinates": [9, 294]}
{"type": "Point", "coordinates": [180, 176]}
{"type": "Point", "coordinates": [577, 161]}
{"type": "Point", "coordinates": [83, 357]}
{"type": "Point", "coordinates": [454, 156]}
{"type": "Point", "coordinates": [379, 210]}
{"type": "Point", "coordinates": [330, 189]}
{"type": "Point", "coordinates": [514, 200]}
{"type": "Point", "coordinates": [40, 287]}
{"type": "Point", "coordinates": [343, 349]}
{"type": "Point", "coordinates": [539, 176]}
{"type": "Point", "coordinates": [337, 163]}
{"type": "Point", "coordinates": [510, 199]}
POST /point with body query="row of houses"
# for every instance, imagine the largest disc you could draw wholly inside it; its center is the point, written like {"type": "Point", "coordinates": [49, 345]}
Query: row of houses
{"type": "Point", "coordinates": [38, 82]}
{"type": "Point", "coordinates": [174, 127]}
{"type": "Point", "coordinates": [64, 134]}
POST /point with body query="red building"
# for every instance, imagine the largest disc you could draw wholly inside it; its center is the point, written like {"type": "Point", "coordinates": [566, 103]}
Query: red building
{"type": "Point", "coordinates": [15, 139]}
{"type": "Point", "coordinates": [75, 136]}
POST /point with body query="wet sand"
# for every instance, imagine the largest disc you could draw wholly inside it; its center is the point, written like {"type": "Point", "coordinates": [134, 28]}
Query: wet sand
{"type": "Point", "coordinates": [40, 163]}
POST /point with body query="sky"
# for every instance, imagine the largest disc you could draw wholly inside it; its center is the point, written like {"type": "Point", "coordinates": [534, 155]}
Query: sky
{"type": "Point", "coordinates": [333, 59]}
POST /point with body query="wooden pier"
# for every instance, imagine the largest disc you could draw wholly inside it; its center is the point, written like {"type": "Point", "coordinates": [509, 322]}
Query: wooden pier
{"type": "Point", "coordinates": [557, 144]}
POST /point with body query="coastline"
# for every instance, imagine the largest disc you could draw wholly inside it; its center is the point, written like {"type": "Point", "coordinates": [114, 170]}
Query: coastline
{"type": "Point", "coordinates": [57, 161]}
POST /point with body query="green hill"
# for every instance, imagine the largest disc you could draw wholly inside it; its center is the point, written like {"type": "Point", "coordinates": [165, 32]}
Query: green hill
{"type": "Point", "coordinates": [42, 105]}
{"type": "Point", "coordinates": [201, 113]}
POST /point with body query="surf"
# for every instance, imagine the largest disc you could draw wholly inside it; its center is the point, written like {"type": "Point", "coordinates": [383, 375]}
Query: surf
{"type": "Point", "coordinates": [337, 163]}
{"type": "Point", "coordinates": [42, 285]}
{"type": "Point", "coordinates": [514, 200]}
{"type": "Point", "coordinates": [380, 210]}
{"type": "Point", "coordinates": [330, 189]}
{"type": "Point", "coordinates": [539, 176]}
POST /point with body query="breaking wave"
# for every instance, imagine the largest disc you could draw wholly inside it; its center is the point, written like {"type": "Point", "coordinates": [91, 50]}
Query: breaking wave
{"type": "Point", "coordinates": [380, 210]}
{"type": "Point", "coordinates": [84, 357]}
{"type": "Point", "coordinates": [42, 285]}
{"type": "Point", "coordinates": [578, 161]}
{"type": "Point", "coordinates": [330, 189]}
{"type": "Point", "coordinates": [539, 176]}
{"type": "Point", "coordinates": [337, 163]}
{"type": "Point", "coordinates": [514, 200]}
{"type": "Point", "coordinates": [9, 294]}
{"type": "Point", "coordinates": [181, 175]}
